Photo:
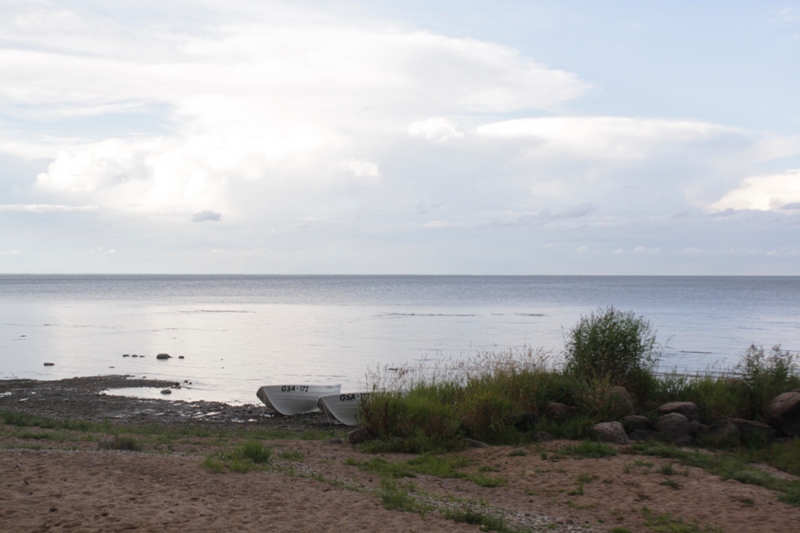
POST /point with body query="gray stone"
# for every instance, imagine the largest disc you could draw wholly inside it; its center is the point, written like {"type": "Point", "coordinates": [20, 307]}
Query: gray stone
{"type": "Point", "coordinates": [621, 401]}
{"type": "Point", "coordinates": [698, 429]}
{"type": "Point", "coordinates": [641, 435]}
{"type": "Point", "coordinates": [166, 391]}
{"type": "Point", "coordinates": [633, 422]}
{"type": "Point", "coordinates": [753, 431]}
{"type": "Point", "coordinates": [723, 432]}
{"type": "Point", "coordinates": [610, 432]}
{"type": "Point", "coordinates": [687, 409]}
{"type": "Point", "coordinates": [783, 413]}
{"type": "Point", "coordinates": [675, 428]}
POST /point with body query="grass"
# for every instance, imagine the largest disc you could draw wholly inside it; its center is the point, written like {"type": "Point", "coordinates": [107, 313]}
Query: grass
{"type": "Point", "coordinates": [397, 496]}
{"type": "Point", "coordinates": [433, 408]}
{"type": "Point", "coordinates": [251, 455]}
{"type": "Point", "coordinates": [442, 466]}
{"type": "Point", "coordinates": [588, 450]}
{"type": "Point", "coordinates": [665, 522]}
{"type": "Point", "coordinates": [727, 465]}
{"type": "Point", "coordinates": [488, 522]}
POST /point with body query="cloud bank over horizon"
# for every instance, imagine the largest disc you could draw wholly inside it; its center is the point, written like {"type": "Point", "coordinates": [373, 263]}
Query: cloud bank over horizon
{"type": "Point", "coordinates": [309, 140]}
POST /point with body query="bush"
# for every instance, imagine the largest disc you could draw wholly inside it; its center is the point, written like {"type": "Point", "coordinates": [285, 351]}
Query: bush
{"type": "Point", "coordinates": [613, 345]}
{"type": "Point", "coordinates": [766, 376]}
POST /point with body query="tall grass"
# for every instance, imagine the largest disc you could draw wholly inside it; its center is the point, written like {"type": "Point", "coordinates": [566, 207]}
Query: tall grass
{"type": "Point", "coordinates": [434, 407]}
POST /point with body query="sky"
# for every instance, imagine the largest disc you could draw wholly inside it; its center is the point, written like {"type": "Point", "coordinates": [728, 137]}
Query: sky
{"type": "Point", "coordinates": [496, 137]}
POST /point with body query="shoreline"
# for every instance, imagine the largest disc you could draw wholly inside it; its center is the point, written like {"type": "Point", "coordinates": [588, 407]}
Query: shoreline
{"type": "Point", "coordinates": [83, 398]}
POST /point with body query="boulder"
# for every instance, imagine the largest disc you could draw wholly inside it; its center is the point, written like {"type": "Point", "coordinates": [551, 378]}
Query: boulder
{"type": "Point", "coordinates": [723, 432]}
{"type": "Point", "coordinates": [621, 401]}
{"type": "Point", "coordinates": [753, 431]}
{"type": "Point", "coordinates": [674, 428]}
{"type": "Point", "coordinates": [687, 409]}
{"type": "Point", "coordinates": [558, 412]}
{"type": "Point", "coordinates": [610, 432]}
{"type": "Point", "coordinates": [641, 435]}
{"type": "Point", "coordinates": [783, 413]}
{"type": "Point", "coordinates": [166, 391]}
{"type": "Point", "coordinates": [633, 422]}
{"type": "Point", "coordinates": [698, 429]}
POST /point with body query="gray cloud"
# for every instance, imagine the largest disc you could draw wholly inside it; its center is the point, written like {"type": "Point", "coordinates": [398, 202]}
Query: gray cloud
{"type": "Point", "coordinates": [205, 216]}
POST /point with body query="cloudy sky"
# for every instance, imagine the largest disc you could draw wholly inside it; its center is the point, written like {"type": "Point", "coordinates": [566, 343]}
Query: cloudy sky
{"type": "Point", "coordinates": [388, 137]}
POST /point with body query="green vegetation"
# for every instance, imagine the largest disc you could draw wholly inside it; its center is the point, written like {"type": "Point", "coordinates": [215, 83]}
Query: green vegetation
{"type": "Point", "coordinates": [488, 522]}
{"type": "Point", "coordinates": [397, 496]}
{"type": "Point", "coordinates": [252, 455]}
{"type": "Point", "coordinates": [665, 522]}
{"type": "Point", "coordinates": [443, 466]}
{"type": "Point", "coordinates": [615, 347]}
{"type": "Point", "coordinates": [735, 466]}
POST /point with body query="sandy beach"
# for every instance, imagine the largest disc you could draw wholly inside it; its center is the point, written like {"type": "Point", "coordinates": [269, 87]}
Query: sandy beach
{"type": "Point", "coordinates": [60, 480]}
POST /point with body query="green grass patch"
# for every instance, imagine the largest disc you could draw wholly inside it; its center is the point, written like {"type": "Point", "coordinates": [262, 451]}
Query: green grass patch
{"type": "Point", "coordinates": [251, 455]}
{"type": "Point", "coordinates": [397, 496]}
{"type": "Point", "coordinates": [727, 465]}
{"type": "Point", "coordinates": [588, 450]}
{"type": "Point", "coordinates": [292, 455]}
{"type": "Point", "coordinates": [665, 522]}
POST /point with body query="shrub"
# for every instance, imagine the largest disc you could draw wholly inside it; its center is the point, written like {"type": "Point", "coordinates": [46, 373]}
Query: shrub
{"type": "Point", "coordinates": [614, 345]}
{"type": "Point", "coordinates": [767, 375]}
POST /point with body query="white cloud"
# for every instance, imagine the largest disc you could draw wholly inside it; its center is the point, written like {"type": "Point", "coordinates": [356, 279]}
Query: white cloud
{"type": "Point", "coordinates": [362, 169]}
{"type": "Point", "coordinates": [435, 129]}
{"type": "Point", "coordinates": [48, 208]}
{"type": "Point", "coordinates": [278, 97]}
{"type": "Point", "coordinates": [774, 192]}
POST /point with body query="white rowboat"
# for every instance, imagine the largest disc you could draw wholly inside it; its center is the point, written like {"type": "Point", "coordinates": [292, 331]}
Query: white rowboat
{"type": "Point", "coordinates": [343, 407]}
{"type": "Point", "coordinates": [294, 399]}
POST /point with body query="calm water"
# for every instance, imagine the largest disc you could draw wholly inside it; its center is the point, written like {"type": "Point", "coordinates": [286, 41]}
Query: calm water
{"type": "Point", "coordinates": [240, 332]}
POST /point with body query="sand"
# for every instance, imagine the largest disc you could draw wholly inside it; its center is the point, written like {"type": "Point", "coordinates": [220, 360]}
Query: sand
{"type": "Point", "coordinates": [93, 490]}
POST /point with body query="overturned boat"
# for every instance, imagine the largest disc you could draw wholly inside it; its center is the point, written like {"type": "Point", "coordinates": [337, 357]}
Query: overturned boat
{"type": "Point", "coordinates": [295, 399]}
{"type": "Point", "coordinates": [344, 407]}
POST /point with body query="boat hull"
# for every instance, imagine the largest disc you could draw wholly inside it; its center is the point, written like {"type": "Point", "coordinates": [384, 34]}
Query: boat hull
{"type": "Point", "coordinates": [343, 407]}
{"type": "Point", "coordinates": [295, 399]}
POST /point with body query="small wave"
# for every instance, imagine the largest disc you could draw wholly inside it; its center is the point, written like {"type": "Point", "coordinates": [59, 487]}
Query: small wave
{"type": "Point", "coordinates": [195, 311]}
{"type": "Point", "coordinates": [530, 314]}
{"type": "Point", "coordinates": [425, 314]}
